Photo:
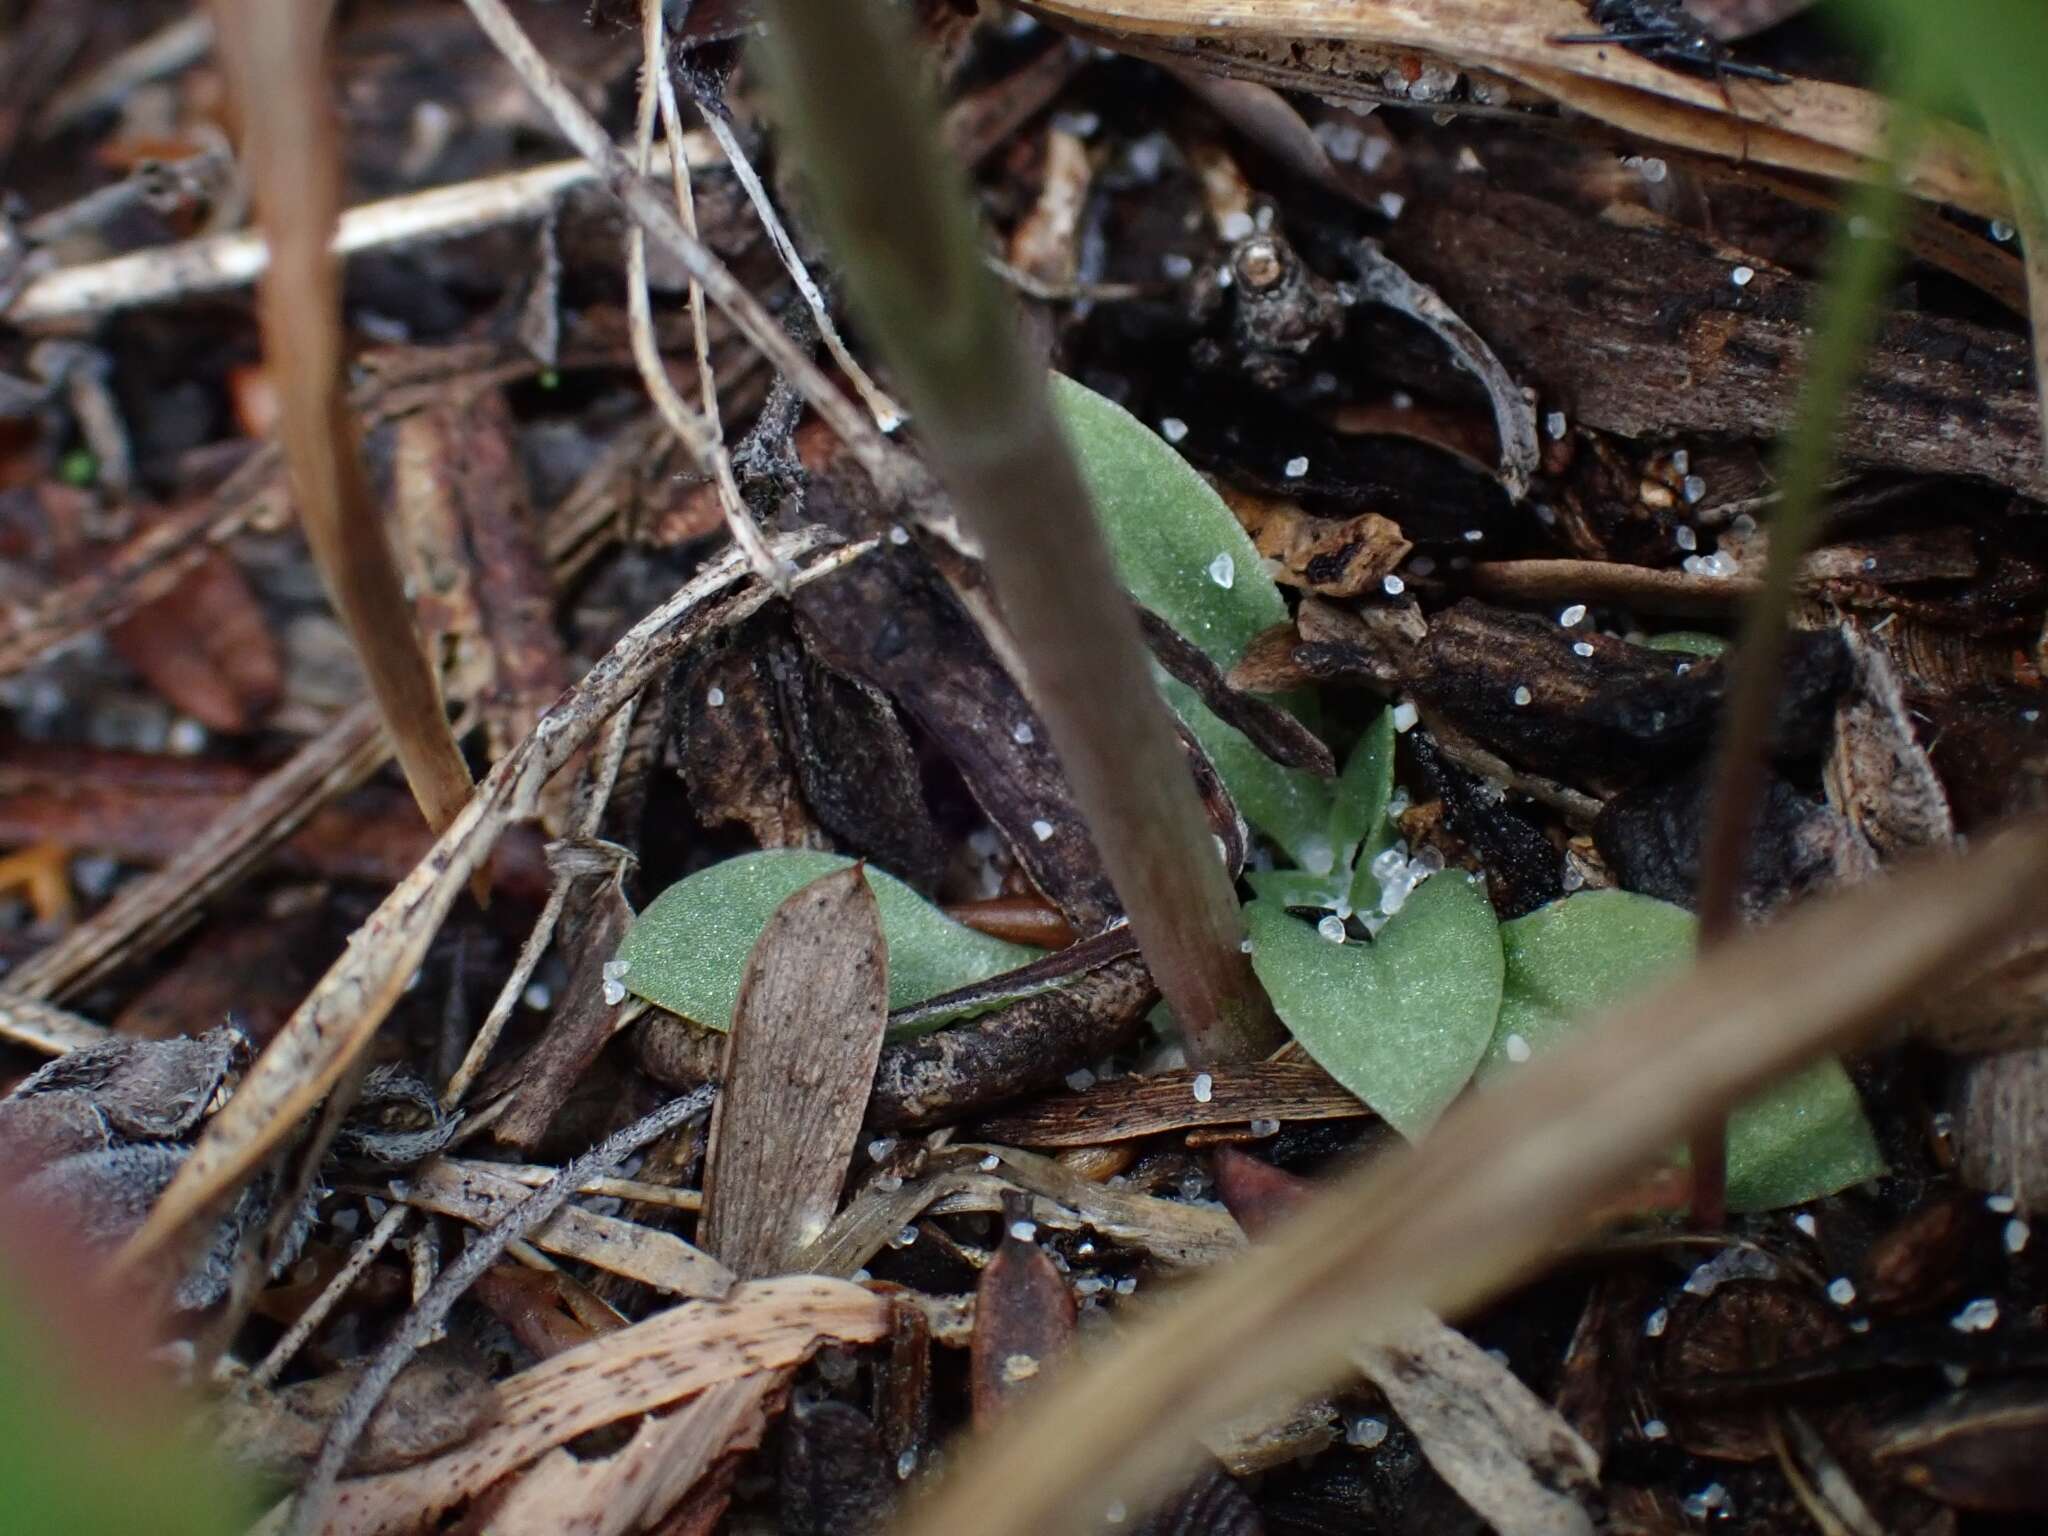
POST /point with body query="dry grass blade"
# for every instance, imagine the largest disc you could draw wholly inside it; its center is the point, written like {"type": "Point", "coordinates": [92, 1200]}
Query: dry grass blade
{"type": "Point", "coordinates": [273, 58]}
{"type": "Point", "coordinates": [1504, 1178]}
{"type": "Point", "coordinates": [766, 1326]}
{"type": "Point", "coordinates": [337, 1020]}
{"type": "Point", "coordinates": [482, 1194]}
{"type": "Point", "coordinates": [40, 1026]}
{"type": "Point", "coordinates": [806, 1034]}
{"type": "Point", "coordinates": [150, 911]}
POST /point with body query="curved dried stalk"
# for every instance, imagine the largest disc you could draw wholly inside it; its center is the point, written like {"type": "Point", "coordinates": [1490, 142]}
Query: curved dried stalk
{"type": "Point", "coordinates": [700, 434]}
{"type": "Point", "coordinates": [273, 57]}
{"type": "Point", "coordinates": [1506, 1177]}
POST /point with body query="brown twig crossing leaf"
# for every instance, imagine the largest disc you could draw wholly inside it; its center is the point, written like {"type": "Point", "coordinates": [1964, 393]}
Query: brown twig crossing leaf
{"type": "Point", "coordinates": [806, 1035]}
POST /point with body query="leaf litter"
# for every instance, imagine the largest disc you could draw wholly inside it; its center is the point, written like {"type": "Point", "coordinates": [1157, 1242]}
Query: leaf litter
{"type": "Point", "coordinates": [1373, 507]}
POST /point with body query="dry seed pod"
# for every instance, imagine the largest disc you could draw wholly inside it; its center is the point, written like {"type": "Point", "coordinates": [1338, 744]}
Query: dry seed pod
{"type": "Point", "coordinates": [1744, 1326]}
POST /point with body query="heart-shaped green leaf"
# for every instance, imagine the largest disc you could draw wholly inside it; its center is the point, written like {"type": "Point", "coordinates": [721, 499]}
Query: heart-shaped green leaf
{"type": "Point", "coordinates": [1402, 1020]}
{"type": "Point", "coordinates": [687, 951]}
{"type": "Point", "coordinates": [1801, 1139]}
{"type": "Point", "coordinates": [1180, 552]}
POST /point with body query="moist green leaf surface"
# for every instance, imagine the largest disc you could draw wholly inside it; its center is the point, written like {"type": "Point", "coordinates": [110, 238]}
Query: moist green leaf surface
{"type": "Point", "coordinates": [1167, 530]}
{"type": "Point", "coordinates": [1798, 1140]}
{"type": "Point", "coordinates": [1400, 1021]}
{"type": "Point", "coordinates": [688, 950]}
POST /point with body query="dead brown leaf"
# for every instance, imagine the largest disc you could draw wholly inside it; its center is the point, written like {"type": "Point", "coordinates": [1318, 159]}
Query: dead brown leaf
{"type": "Point", "coordinates": [799, 1061]}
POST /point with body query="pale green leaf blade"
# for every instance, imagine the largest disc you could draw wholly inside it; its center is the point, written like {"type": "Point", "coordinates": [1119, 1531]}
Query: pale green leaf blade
{"type": "Point", "coordinates": [688, 950]}
{"type": "Point", "coordinates": [1299, 888]}
{"type": "Point", "coordinates": [1403, 1020]}
{"type": "Point", "coordinates": [1802, 1139]}
{"type": "Point", "coordinates": [1181, 553]}
{"type": "Point", "coordinates": [1168, 528]}
{"type": "Point", "coordinates": [1568, 959]}
{"type": "Point", "coordinates": [1289, 806]}
{"type": "Point", "coordinates": [1359, 821]}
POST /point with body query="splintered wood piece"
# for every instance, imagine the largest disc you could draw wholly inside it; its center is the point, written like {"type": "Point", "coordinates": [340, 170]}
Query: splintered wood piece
{"type": "Point", "coordinates": [1024, 1319]}
{"type": "Point", "coordinates": [273, 59]}
{"type": "Point", "coordinates": [691, 1349]}
{"type": "Point", "coordinates": [636, 1485]}
{"type": "Point", "coordinates": [806, 1036]}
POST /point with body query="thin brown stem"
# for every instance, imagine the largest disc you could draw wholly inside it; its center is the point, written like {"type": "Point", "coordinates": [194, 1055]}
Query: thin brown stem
{"type": "Point", "coordinates": [893, 204]}
{"type": "Point", "coordinates": [273, 58]}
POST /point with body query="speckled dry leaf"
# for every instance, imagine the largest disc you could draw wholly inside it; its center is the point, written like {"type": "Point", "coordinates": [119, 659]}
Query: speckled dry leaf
{"type": "Point", "coordinates": [1503, 1449]}
{"type": "Point", "coordinates": [806, 1034]}
{"type": "Point", "coordinates": [761, 1328]}
{"type": "Point", "coordinates": [1487, 1197]}
{"type": "Point", "coordinates": [631, 1489]}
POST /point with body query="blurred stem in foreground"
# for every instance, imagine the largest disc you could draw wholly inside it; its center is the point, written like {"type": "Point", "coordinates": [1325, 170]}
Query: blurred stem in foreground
{"type": "Point", "coordinates": [854, 101]}
{"type": "Point", "coordinates": [1860, 262]}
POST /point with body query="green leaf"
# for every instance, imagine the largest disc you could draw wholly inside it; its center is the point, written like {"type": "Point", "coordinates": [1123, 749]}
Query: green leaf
{"type": "Point", "coordinates": [1796, 1141]}
{"type": "Point", "coordinates": [687, 951]}
{"type": "Point", "coordinates": [1691, 642]}
{"type": "Point", "coordinates": [1400, 1021]}
{"type": "Point", "coordinates": [1181, 553]}
{"type": "Point", "coordinates": [1358, 824]}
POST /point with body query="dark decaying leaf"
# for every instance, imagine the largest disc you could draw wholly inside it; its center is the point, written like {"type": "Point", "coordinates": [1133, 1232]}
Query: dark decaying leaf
{"type": "Point", "coordinates": [891, 622]}
{"type": "Point", "coordinates": [1746, 1325]}
{"type": "Point", "coordinates": [806, 1033]}
{"type": "Point", "coordinates": [585, 1016]}
{"type": "Point", "coordinates": [1607, 718]}
{"type": "Point", "coordinates": [1650, 837]}
{"type": "Point", "coordinates": [832, 1477]}
{"type": "Point", "coordinates": [855, 765]}
{"type": "Point", "coordinates": [1980, 1449]}
{"type": "Point", "coordinates": [1523, 870]}
{"type": "Point", "coordinates": [1271, 729]}
{"type": "Point", "coordinates": [1024, 1320]}
{"type": "Point", "coordinates": [733, 755]}
{"type": "Point", "coordinates": [1925, 1259]}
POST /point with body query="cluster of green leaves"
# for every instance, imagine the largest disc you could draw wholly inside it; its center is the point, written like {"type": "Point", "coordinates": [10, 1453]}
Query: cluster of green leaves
{"type": "Point", "coordinates": [1440, 995]}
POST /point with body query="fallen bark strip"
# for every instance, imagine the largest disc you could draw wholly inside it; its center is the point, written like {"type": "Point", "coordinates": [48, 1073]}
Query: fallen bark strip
{"type": "Point", "coordinates": [1647, 333]}
{"type": "Point", "coordinates": [1022, 1049]}
{"type": "Point", "coordinates": [1127, 1108]}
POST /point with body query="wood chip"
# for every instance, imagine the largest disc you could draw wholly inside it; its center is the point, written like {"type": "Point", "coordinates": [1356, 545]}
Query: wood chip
{"type": "Point", "coordinates": [762, 1328]}
{"type": "Point", "coordinates": [799, 1061]}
